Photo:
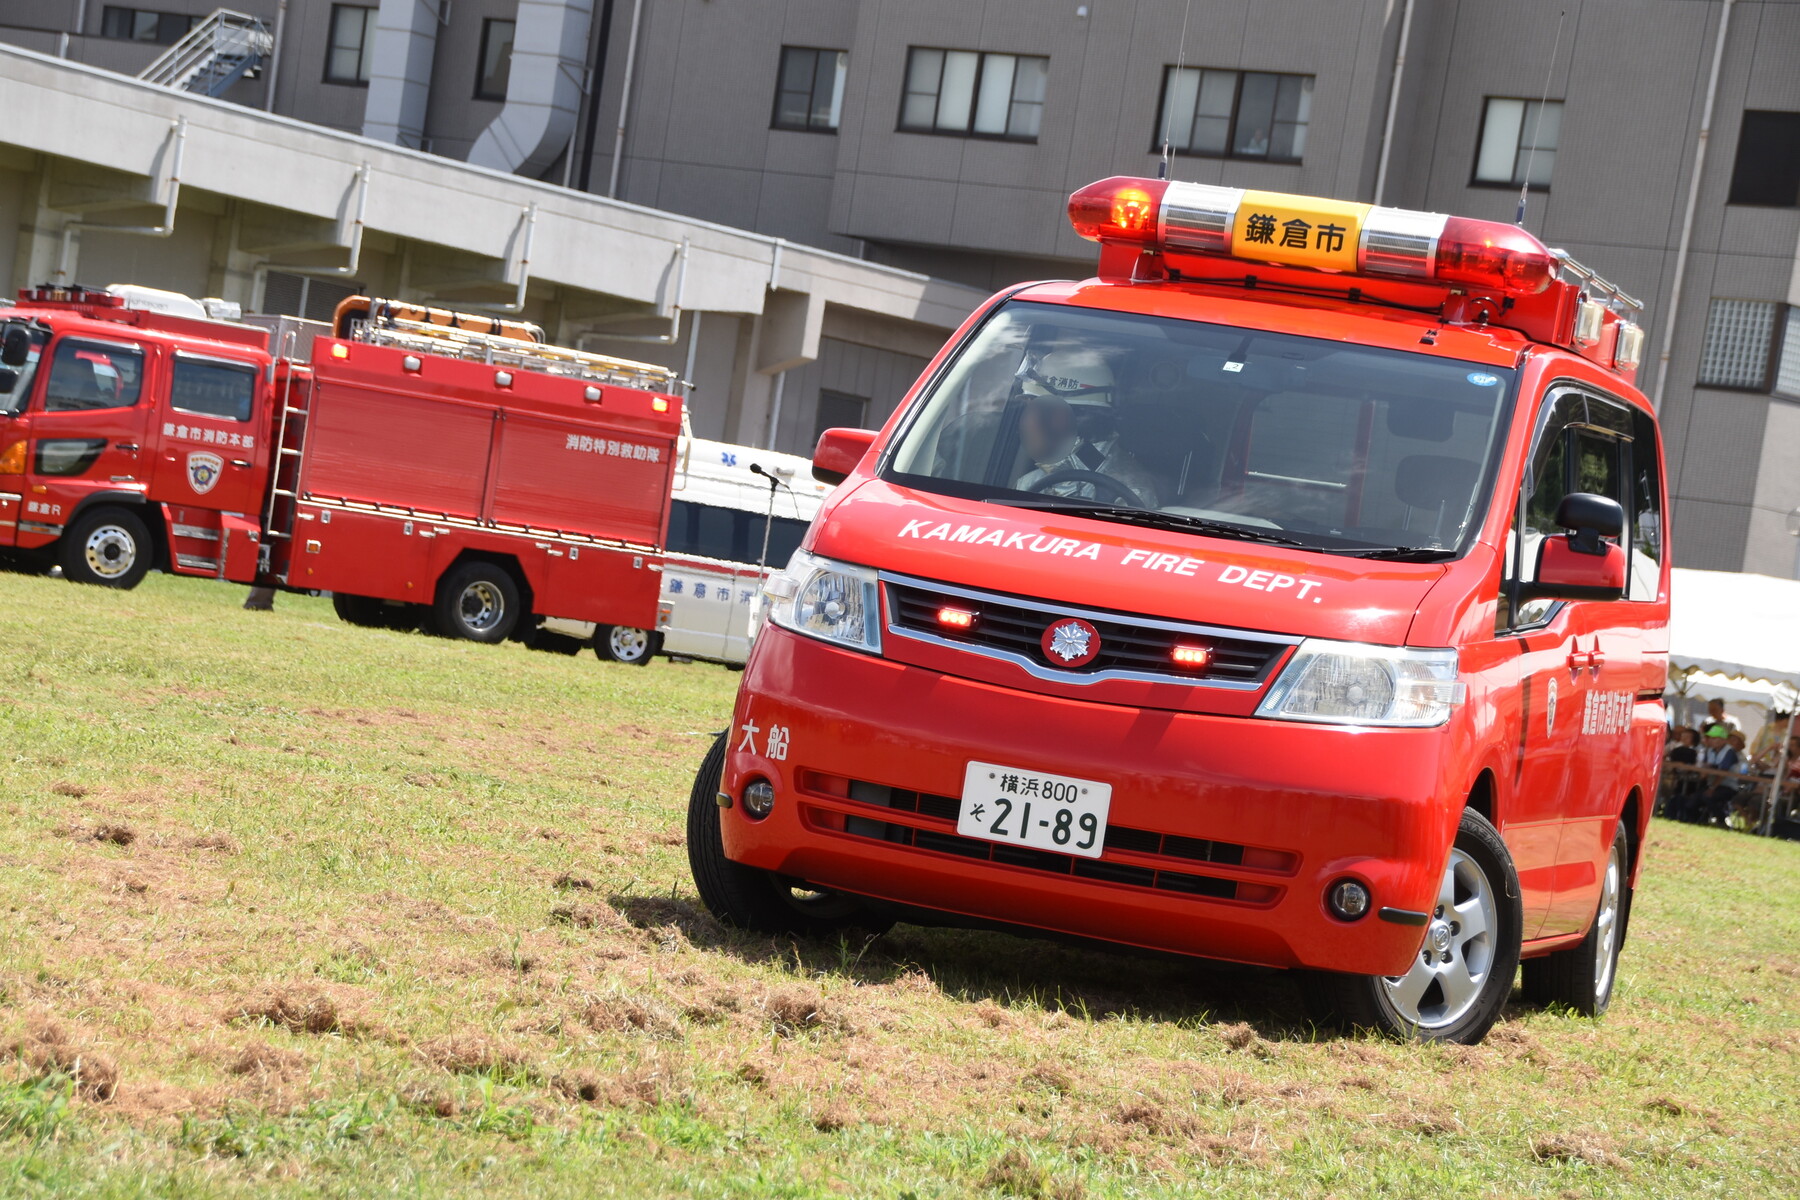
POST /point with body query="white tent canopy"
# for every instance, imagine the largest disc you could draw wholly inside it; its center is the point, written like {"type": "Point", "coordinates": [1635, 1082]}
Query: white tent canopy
{"type": "Point", "coordinates": [1735, 628]}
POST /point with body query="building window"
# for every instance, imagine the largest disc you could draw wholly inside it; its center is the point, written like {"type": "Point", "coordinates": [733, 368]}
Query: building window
{"type": "Point", "coordinates": [1767, 171]}
{"type": "Point", "coordinates": [352, 43]}
{"type": "Point", "coordinates": [1518, 142]}
{"type": "Point", "coordinates": [304, 296]}
{"type": "Point", "coordinates": [496, 59]}
{"type": "Point", "coordinates": [144, 25]}
{"type": "Point", "coordinates": [974, 95]}
{"type": "Point", "coordinates": [838, 411]}
{"type": "Point", "coordinates": [1740, 343]}
{"type": "Point", "coordinates": [1234, 114]}
{"type": "Point", "coordinates": [810, 90]}
{"type": "Point", "coordinates": [1787, 356]}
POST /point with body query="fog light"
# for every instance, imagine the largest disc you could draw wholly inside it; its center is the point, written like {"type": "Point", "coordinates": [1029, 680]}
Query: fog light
{"type": "Point", "coordinates": [1347, 899]}
{"type": "Point", "coordinates": [759, 799]}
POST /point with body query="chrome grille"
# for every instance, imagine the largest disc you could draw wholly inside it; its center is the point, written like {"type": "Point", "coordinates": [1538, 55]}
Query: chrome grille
{"type": "Point", "coordinates": [1012, 628]}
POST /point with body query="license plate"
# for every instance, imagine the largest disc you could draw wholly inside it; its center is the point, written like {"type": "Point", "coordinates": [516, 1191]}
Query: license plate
{"type": "Point", "coordinates": [1030, 808]}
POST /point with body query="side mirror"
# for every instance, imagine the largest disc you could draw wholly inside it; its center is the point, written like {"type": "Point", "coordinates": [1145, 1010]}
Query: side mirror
{"type": "Point", "coordinates": [15, 347]}
{"type": "Point", "coordinates": [839, 451]}
{"type": "Point", "coordinates": [1582, 564]}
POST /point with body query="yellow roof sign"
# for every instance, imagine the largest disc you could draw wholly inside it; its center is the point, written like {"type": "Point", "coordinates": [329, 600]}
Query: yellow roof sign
{"type": "Point", "coordinates": [1298, 231]}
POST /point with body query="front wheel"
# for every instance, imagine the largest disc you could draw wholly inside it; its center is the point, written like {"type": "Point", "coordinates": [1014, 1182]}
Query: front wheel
{"type": "Point", "coordinates": [1463, 973]}
{"type": "Point", "coordinates": [478, 602]}
{"type": "Point", "coordinates": [750, 898]}
{"type": "Point", "coordinates": [1582, 976]}
{"type": "Point", "coordinates": [626, 644]}
{"type": "Point", "coordinates": [109, 547]}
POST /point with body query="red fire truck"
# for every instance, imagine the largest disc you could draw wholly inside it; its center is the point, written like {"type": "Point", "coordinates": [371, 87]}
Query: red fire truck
{"type": "Point", "coordinates": [1294, 592]}
{"type": "Point", "coordinates": [414, 462]}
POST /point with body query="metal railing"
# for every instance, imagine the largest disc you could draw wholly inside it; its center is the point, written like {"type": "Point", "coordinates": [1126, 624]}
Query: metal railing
{"type": "Point", "coordinates": [214, 55]}
{"type": "Point", "coordinates": [424, 338]}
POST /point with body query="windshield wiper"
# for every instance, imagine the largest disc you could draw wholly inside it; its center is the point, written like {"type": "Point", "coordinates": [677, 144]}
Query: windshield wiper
{"type": "Point", "coordinates": [1394, 553]}
{"type": "Point", "coordinates": [1152, 519]}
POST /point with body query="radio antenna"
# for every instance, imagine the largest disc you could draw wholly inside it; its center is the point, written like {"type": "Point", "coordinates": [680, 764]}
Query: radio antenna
{"type": "Point", "coordinates": [1167, 167]}
{"type": "Point", "coordinates": [1538, 120]}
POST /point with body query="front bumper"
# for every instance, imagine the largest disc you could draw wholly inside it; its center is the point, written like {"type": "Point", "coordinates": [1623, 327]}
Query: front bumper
{"type": "Point", "coordinates": [1223, 836]}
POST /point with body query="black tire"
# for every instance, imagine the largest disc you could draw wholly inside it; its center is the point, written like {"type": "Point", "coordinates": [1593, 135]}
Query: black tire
{"type": "Point", "coordinates": [371, 612]}
{"type": "Point", "coordinates": [108, 547]}
{"type": "Point", "coordinates": [357, 610]}
{"type": "Point", "coordinates": [753, 899]}
{"type": "Point", "coordinates": [478, 602]}
{"type": "Point", "coordinates": [1581, 978]}
{"type": "Point", "coordinates": [1481, 887]}
{"type": "Point", "coordinates": [627, 644]}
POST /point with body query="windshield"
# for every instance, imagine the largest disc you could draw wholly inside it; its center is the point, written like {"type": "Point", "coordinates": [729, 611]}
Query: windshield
{"type": "Point", "coordinates": [1221, 430]}
{"type": "Point", "coordinates": [15, 382]}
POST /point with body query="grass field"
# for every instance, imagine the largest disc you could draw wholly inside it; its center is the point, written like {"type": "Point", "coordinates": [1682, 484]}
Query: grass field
{"type": "Point", "coordinates": [289, 907]}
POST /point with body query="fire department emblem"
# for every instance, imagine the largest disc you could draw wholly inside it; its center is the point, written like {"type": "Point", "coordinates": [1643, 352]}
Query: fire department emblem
{"type": "Point", "coordinates": [203, 469]}
{"type": "Point", "coordinates": [1070, 643]}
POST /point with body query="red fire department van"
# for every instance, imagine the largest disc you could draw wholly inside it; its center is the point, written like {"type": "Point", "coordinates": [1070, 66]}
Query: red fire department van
{"type": "Point", "coordinates": [413, 462]}
{"type": "Point", "coordinates": [1294, 592]}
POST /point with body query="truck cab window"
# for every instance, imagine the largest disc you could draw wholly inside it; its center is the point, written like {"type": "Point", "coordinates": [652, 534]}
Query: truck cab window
{"type": "Point", "coordinates": [15, 382]}
{"type": "Point", "coordinates": [92, 375]}
{"type": "Point", "coordinates": [213, 389]}
{"type": "Point", "coordinates": [1645, 510]}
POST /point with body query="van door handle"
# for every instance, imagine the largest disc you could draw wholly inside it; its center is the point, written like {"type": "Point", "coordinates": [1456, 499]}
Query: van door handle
{"type": "Point", "coordinates": [241, 462]}
{"type": "Point", "coordinates": [127, 447]}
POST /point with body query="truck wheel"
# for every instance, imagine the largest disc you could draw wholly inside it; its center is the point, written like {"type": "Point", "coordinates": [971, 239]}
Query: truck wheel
{"type": "Point", "coordinates": [626, 644]}
{"type": "Point", "coordinates": [477, 601]}
{"type": "Point", "coordinates": [1463, 973]}
{"type": "Point", "coordinates": [357, 610]}
{"type": "Point", "coordinates": [106, 546]}
{"type": "Point", "coordinates": [1582, 976]}
{"type": "Point", "coordinates": [753, 899]}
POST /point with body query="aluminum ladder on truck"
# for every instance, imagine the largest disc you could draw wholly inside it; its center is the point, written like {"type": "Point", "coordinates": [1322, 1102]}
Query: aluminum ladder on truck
{"type": "Point", "coordinates": [291, 425]}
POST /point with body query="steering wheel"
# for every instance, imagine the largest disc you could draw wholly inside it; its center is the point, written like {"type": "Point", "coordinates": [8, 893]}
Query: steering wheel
{"type": "Point", "coordinates": [1099, 479]}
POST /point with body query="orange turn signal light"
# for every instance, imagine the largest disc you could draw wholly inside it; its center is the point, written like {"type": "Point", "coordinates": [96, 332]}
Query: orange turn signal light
{"type": "Point", "coordinates": [12, 459]}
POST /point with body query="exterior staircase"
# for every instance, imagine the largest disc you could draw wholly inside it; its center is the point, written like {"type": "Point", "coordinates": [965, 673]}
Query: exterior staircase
{"type": "Point", "coordinates": [214, 55]}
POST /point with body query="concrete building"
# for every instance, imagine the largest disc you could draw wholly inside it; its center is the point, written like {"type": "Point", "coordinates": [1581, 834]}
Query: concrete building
{"type": "Point", "coordinates": [940, 138]}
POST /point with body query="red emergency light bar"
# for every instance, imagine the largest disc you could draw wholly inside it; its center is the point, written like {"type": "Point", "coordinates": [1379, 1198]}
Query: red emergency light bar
{"type": "Point", "coordinates": [49, 293]}
{"type": "Point", "coordinates": [1306, 231]}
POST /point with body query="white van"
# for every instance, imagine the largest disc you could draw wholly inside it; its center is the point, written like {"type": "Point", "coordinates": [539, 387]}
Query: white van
{"type": "Point", "coordinates": [717, 517]}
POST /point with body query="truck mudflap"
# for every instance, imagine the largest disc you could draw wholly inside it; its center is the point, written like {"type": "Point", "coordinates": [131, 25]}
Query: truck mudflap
{"type": "Point", "coordinates": [10, 504]}
{"type": "Point", "coordinates": [239, 547]}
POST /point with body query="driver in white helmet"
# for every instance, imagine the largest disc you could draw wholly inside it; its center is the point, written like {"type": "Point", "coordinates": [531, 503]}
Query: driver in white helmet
{"type": "Point", "coordinates": [1053, 389]}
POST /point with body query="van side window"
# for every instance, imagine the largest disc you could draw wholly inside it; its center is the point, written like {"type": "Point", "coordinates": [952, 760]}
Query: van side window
{"type": "Point", "coordinates": [730, 534]}
{"type": "Point", "coordinates": [1578, 450]}
{"type": "Point", "coordinates": [213, 389]}
{"type": "Point", "coordinates": [1645, 510]}
{"type": "Point", "coordinates": [92, 375]}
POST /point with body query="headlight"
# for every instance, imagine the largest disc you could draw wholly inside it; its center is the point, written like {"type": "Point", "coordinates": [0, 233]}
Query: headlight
{"type": "Point", "coordinates": [829, 600]}
{"type": "Point", "coordinates": [1348, 683]}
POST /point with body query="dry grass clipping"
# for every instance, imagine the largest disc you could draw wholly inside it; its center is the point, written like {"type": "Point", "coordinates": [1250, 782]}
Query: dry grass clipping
{"type": "Point", "coordinates": [631, 1014]}
{"type": "Point", "coordinates": [794, 1011]}
{"type": "Point", "coordinates": [46, 1049]}
{"type": "Point", "coordinates": [294, 1010]}
{"type": "Point", "coordinates": [472, 1054]}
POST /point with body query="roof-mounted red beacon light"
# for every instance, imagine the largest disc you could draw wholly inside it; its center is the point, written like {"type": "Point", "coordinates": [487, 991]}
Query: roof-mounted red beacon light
{"type": "Point", "coordinates": [1120, 209]}
{"type": "Point", "coordinates": [1307, 231]}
